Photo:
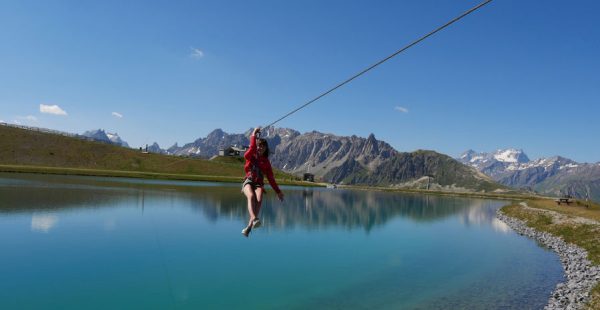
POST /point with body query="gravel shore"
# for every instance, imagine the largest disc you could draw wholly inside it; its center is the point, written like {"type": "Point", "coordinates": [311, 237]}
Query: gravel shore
{"type": "Point", "coordinates": [581, 275]}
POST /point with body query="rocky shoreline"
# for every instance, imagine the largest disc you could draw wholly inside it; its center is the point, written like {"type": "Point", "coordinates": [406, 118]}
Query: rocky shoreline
{"type": "Point", "coordinates": [581, 275]}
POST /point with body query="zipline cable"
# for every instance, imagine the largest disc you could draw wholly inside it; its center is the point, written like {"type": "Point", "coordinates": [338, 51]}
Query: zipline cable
{"type": "Point", "coordinates": [372, 66]}
{"type": "Point", "coordinates": [381, 61]}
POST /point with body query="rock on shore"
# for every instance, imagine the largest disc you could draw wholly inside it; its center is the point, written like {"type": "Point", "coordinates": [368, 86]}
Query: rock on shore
{"type": "Point", "coordinates": [581, 275]}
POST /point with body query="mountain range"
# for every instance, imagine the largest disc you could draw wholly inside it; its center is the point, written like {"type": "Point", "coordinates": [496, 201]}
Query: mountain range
{"type": "Point", "coordinates": [368, 161]}
{"type": "Point", "coordinates": [554, 176]}
{"type": "Point", "coordinates": [348, 160]}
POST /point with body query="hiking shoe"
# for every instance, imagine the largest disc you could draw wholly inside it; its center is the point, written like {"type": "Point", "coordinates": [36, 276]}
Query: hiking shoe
{"type": "Point", "coordinates": [256, 223]}
{"type": "Point", "coordinates": [246, 231]}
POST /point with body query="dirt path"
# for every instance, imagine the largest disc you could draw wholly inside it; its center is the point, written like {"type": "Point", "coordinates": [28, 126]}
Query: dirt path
{"type": "Point", "coordinates": [561, 218]}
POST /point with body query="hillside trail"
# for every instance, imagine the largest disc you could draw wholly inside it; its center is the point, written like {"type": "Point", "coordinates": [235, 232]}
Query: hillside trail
{"type": "Point", "coordinates": [560, 218]}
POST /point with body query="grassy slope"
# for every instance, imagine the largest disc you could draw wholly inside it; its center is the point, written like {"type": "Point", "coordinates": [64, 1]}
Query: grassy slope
{"type": "Point", "coordinates": [586, 236]}
{"type": "Point", "coordinates": [30, 151]}
{"type": "Point", "coordinates": [406, 167]}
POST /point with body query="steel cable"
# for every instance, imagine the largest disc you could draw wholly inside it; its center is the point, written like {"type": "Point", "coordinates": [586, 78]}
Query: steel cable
{"type": "Point", "coordinates": [381, 61]}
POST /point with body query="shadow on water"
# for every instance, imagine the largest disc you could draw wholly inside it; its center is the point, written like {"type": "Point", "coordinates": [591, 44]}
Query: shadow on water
{"type": "Point", "coordinates": [307, 208]}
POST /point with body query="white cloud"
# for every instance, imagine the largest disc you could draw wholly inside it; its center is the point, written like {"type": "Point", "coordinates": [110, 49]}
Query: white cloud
{"type": "Point", "coordinates": [16, 122]}
{"type": "Point", "coordinates": [117, 114]}
{"type": "Point", "coordinates": [401, 109]}
{"type": "Point", "coordinates": [196, 53]}
{"type": "Point", "coordinates": [52, 109]}
{"type": "Point", "coordinates": [43, 223]}
{"type": "Point", "coordinates": [1, 121]}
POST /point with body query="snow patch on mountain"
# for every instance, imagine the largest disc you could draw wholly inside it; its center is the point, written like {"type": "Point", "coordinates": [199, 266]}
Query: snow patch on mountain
{"type": "Point", "coordinates": [114, 138]}
{"type": "Point", "coordinates": [510, 156]}
{"type": "Point", "coordinates": [503, 161]}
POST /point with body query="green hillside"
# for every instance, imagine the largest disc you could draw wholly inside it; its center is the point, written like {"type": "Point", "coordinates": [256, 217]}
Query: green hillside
{"type": "Point", "coordinates": [404, 168]}
{"type": "Point", "coordinates": [23, 150]}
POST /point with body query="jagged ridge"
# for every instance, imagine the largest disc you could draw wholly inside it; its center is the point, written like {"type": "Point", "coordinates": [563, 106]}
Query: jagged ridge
{"type": "Point", "coordinates": [350, 160]}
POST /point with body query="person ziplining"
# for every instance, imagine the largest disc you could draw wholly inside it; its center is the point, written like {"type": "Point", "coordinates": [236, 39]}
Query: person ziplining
{"type": "Point", "coordinates": [257, 161]}
{"type": "Point", "coordinates": [256, 167]}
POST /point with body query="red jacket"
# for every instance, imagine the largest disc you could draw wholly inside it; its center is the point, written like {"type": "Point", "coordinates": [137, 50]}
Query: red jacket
{"type": "Point", "coordinates": [257, 166]}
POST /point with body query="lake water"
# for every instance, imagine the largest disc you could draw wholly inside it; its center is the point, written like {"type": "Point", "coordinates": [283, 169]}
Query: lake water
{"type": "Point", "coordinates": [107, 243]}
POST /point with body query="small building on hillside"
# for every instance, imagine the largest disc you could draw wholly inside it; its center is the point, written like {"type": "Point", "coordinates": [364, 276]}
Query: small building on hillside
{"type": "Point", "coordinates": [308, 177]}
{"type": "Point", "coordinates": [234, 151]}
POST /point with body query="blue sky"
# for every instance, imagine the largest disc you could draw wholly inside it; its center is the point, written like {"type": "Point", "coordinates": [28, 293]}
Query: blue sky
{"type": "Point", "coordinates": [522, 74]}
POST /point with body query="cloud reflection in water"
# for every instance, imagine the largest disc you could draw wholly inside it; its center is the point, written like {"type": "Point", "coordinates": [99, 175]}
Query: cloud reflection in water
{"type": "Point", "coordinates": [43, 222]}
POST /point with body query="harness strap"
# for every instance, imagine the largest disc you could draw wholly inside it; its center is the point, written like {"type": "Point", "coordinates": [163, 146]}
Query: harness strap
{"type": "Point", "coordinates": [255, 173]}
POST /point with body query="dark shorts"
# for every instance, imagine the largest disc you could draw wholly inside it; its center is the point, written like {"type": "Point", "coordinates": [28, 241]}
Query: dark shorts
{"type": "Point", "coordinates": [253, 184]}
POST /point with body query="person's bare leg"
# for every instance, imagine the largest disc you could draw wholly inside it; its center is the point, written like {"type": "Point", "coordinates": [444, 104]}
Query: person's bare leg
{"type": "Point", "coordinates": [250, 196]}
{"type": "Point", "coordinates": [259, 196]}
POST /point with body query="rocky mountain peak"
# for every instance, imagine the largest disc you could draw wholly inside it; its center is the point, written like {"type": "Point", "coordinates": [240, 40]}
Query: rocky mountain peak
{"type": "Point", "coordinates": [98, 134]}
{"type": "Point", "coordinates": [103, 136]}
{"type": "Point", "coordinates": [155, 148]}
{"type": "Point", "coordinates": [216, 134]}
{"type": "Point", "coordinates": [172, 149]}
{"type": "Point", "coordinates": [210, 145]}
{"type": "Point", "coordinates": [371, 145]}
{"type": "Point", "coordinates": [467, 155]}
{"type": "Point", "coordinates": [510, 155]}
{"type": "Point", "coordinates": [282, 133]}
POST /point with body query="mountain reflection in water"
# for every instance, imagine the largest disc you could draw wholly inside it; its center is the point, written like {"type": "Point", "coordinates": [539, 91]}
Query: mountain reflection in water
{"type": "Point", "coordinates": [309, 208]}
{"type": "Point", "coordinates": [319, 208]}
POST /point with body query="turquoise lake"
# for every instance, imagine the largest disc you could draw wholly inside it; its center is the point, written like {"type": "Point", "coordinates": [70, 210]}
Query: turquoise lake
{"type": "Point", "coordinates": [72, 242]}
